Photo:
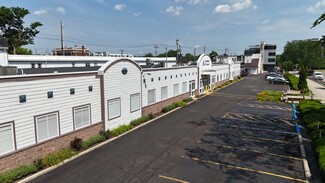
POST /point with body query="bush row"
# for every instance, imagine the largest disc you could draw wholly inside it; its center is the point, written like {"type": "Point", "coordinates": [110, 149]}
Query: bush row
{"type": "Point", "coordinates": [48, 161]}
{"type": "Point", "coordinates": [293, 80]}
{"type": "Point", "coordinates": [17, 173]}
{"type": "Point", "coordinates": [177, 104]}
{"type": "Point", "coordinates": [313, 114]}
{"type": "Point", "coordinates": [269, 96]}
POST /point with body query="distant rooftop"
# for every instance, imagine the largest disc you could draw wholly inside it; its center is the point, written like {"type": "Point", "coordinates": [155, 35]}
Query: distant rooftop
{"type": "Point", "coordinates": [55, 70]}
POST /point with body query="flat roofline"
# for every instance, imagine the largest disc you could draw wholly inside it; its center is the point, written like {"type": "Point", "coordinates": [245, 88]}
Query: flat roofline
{"type": "Point", "coordinates": [46, 75]}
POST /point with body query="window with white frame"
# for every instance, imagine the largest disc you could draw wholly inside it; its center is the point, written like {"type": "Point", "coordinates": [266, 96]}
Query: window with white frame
{"type": "Point", "coordinates": [184, 87]}
{"type": "Point", "coordinates": [114, 108]}
{"type": "Point", "coordinates": [176, 89]}
{"type": "Point", "coordinates": [164, 92]}
{"type": "Point", "coordinates": [81, 116]}
{"type": "Point", "coordinates": [151, 96]}
{"type": "Point", "coordinates": [6, 138]}
{"type": "Point", "coordinates": [135, 102]}
{"type": "Point", "coordinates": [47, 126]}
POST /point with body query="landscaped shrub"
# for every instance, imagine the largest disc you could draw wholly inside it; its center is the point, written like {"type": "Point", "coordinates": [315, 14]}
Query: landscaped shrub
{"type": "Point", "coordinates": [169, 107]}
{"type": "Point", "coordinates": [92, 140]}
{"type": "Point", "coordinates": [107, 134]}
{"type": "Point", "coordinates": [142, 119]}
{"type": "Point", "coordinates": [321, 153]}
{"type": "Point", "coordinates": [120, 130]}
{"type": "Point", "coordinates": [269, 96]}
{"type": "Point", "coordinates": [293, 80]}
{"type": "Point", "coordinates": [313, 114]}
{"type": "Point", "coordinates": [187, 100]}
{"type": "Point", "coordinates": [17, 173]}
{"type": "Point", "coordinates": [76, 144]}
{"type": "Point", "coordinates": [180, 104]}
{"type": "Point", "coordinates": [38, 164]}
{"type": "Point", "coordinates": [58, 157]}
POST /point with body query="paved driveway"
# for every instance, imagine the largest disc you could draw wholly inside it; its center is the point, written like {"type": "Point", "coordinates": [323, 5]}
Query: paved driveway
{"type": "Point", "coordinates": [224, 137]}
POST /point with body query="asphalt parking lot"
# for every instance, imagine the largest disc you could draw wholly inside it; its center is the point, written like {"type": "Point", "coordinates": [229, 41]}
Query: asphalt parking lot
{"type": "Point", "coordinates": [224, 137]}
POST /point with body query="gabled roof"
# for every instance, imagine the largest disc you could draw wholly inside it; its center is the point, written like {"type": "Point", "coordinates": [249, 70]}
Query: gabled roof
{"type": "Point", "coordinates": [254, 63]}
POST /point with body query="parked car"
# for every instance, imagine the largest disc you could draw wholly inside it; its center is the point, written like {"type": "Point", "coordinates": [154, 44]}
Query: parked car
{"type": "Point", "coordinates": [310, 72]}
{"type": "Point", "coordinates": [243, 73]}
{"type": "Point", "coordinates": [274, 76]}
{"type": "Point", "coordinates": [318, 76]}
{"type": "Point", "coordinates": [278, 80]}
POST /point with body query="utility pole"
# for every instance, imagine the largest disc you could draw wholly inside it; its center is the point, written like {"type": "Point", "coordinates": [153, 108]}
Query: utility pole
{"type": "Point", "coordinates": [156, 46]}
{"type": "Point", "coordinates": [204, 49]}
{"type": "Point", "coordinates": [166, 52]}
{"type": "Point", "coordinates": [122, 52]}
{"type": "Point", "coordinates": [177, 49]}
{"type": "Point", "coordinates": [180, 53]}
{"type": "Point", "coordinates": [61, 28]}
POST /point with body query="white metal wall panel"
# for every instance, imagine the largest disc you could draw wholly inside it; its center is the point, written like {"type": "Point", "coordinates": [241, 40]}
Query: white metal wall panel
{"type": "Point", "coordinates": [123, 86]}
{"type": "Point", "coordinates": [158, 78]}
{"type": "Point", "coordinates": [37, 103]}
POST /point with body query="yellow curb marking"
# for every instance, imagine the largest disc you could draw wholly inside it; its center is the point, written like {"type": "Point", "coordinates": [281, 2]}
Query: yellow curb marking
{"type": "Point", "coordinates": [239, 116]}
{"type": "Point", "coordinates": [225, 115]}
{"type": "Point", "coordinates": [287, 122]}
{"type": "Point", "coordinates": [245, 169]}
{"type": "Point", "coordinates": [173, 179]}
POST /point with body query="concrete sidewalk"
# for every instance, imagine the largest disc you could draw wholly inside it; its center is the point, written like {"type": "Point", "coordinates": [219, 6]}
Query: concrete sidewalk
{"type": "Point", "coordinates": [317, 89]}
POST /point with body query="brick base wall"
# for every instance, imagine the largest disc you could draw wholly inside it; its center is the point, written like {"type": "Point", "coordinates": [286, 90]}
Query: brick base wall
{"type": "Point", "coordinates": [30, 154]}
{"type": "Point", "coordinates": [157, 107]}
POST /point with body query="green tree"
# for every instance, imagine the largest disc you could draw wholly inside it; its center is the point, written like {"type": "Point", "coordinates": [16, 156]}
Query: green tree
{"type": "Point", "coordinates": [12, 27]}
{"type": "Point", "coordinates": [306, 53]}
{"type": "Point", "coordinates": [23, 51]}
{"type": "Point", "coordinates": [288, 65]}
{"type": "Point", "coordinates": [213, 55]}
{"type": "Point", "coordinates": [170, 53]}
{"type": "Point", "coordinates": [317, 22]}
{"type": "Point", "coordinates": [302, 84]}
{"type": "Point", "coordinates": [189, 57]}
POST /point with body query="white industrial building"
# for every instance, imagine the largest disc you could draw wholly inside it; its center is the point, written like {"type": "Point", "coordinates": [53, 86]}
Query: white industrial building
{"type": "Point", "coordinates": [41, 113]}
{"type": "Point", "coordinates": [260, 58]}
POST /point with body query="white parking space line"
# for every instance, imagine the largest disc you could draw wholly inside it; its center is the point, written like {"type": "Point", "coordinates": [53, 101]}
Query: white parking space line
{"type": "Point", "coordinates": [258, 129]}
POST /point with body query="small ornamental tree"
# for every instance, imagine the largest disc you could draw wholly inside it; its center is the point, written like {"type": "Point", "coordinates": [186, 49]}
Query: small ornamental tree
{"type": "Point", "coordinates": [302, 84]}
{"type": "Point", "coordinates": [12, 27]}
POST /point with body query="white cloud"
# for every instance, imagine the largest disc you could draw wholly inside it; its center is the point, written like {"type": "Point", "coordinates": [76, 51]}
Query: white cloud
{"type": "Point", "coordinates": [222, 9]}
{"type": "Point", "coordinates": [317, 7]}
{"type": "Point", "coordinates": [41, 11]}
{"type": "Point", "coordinates": [60, 10]}
{"type": "Point", "coordinates": [119, 7]}
{"type": "Point", "coordinates": [265, 21]}
{"type": "Point", "coordinates": [46, 10]}
{"type": "Point", "coordinates": [174, 11]}
{"type": "Point", "coordinates": [237, 6]}
{"type": "Point", "coordinates": [192, 2]}
{"type": "Point", "coordinates": [137, 13]}
{"type": "Point", "coordinates": [241, 5]}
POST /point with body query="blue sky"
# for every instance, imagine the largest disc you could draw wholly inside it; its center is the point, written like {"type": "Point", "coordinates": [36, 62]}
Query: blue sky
{"type": "Point", "coordinates": [137, 25]}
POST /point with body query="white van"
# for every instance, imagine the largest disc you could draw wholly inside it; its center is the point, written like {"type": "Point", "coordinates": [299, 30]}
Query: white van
{"type": "Point", "coordinates": [318, 76]}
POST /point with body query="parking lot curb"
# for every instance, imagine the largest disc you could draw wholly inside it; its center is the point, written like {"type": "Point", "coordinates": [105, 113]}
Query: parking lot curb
{"type": "Point", "coordinates": [304, 160]}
